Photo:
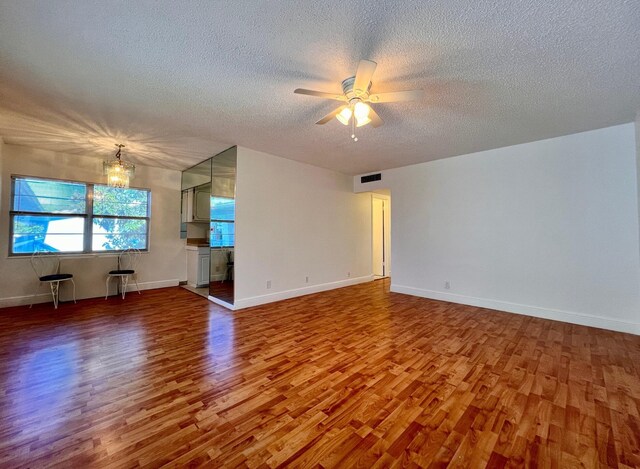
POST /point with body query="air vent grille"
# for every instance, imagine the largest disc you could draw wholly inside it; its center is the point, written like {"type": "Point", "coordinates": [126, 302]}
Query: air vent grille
{"type": "Point", "coordinates": [371, 178]}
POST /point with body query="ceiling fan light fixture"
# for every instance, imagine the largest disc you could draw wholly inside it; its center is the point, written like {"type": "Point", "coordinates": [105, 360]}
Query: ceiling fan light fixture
{"type": "Point", "coordinates": [361, 113]}
{"type": "Point", "coordinates": [344, 116]}
{"type": "Point", "coordinates": [356, 98]}
{"type": "Point", "coordinates": [361, 110]}
{"type": "Point", "coordinates": [362, 121]}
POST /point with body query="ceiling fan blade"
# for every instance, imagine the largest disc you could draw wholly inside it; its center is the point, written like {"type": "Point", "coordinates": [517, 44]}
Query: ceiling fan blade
{"type": "Point", "coordinates": [396, 96]}
{"type": "Point", "coordinates": [321, 94]}
{"type": "Point", "coordinates": [364, 74]}
{"type": "Point", "coordinates": [376, 120]}
{"type": "Point", "coordinates": [331, 115]}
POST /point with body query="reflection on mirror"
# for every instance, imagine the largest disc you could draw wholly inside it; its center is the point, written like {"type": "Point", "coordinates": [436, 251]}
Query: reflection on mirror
{"type": "Point", "coordinates": [222, 225]}
{"type": "Point", "coordinates": [197, 175]}
{"type": "Point", "coordinates": [196, 194]}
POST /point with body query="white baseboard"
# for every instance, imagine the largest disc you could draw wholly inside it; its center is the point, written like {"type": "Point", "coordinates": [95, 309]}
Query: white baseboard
{"type": "Point", "coordinates": [284, 295]}
{"type": "Point", "coordinates": [220, 302]}
{"type": "Point", "coordinates": [66, 296]}
{"type": "Point", "coordinates": [535, 311]}
{"type": "Point", "coordinates": [28, 299]}
{"type": "Point", "coordinates": [173, 282]}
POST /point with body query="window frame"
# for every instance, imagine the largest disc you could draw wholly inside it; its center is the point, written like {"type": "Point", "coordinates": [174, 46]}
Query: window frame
{"type": "Point", "coordinates": [87, 236]}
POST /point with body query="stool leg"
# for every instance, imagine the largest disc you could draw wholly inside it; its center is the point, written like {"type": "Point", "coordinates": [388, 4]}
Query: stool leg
{"type": "Point", "coordinates": [55, 287]}
{"type": "Point", "coordinates": [74, 290]}
{"type": "Point", "coordinates": [107, 294]}
{"type": "Point", "coordinates": [125, 281]}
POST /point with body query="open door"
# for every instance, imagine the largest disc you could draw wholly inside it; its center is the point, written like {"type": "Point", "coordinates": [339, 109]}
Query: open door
{"type": "Point", "coordinates": [377, 236]}
{"type": "Point", "coordinates": [380, 235]}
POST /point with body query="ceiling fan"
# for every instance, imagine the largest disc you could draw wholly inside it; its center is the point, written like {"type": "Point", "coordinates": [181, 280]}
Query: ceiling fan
{"type": "Point", "coordinates": [357, 96]}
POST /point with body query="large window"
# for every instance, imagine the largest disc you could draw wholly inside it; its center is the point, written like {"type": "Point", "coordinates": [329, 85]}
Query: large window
{"type": "Point", "coordinates": [75, 217]}
{"type": "Point", "coordinates": [223, 215]}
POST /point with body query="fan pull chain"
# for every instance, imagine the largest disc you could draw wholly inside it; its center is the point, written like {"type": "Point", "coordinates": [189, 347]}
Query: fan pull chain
{"type": "Point", "coordinates": [353, 130]}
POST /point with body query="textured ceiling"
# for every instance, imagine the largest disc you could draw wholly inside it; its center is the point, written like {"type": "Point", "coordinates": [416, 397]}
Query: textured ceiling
{"type": "Point", "coordinates": [180, 81]}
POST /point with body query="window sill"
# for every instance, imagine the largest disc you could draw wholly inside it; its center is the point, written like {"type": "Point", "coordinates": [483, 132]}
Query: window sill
{"type": "Point", "coordinates": [82, 255]}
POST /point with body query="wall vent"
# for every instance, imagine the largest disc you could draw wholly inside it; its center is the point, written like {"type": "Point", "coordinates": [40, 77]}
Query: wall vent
{"type": "Point", "coordinates": [371, 178]}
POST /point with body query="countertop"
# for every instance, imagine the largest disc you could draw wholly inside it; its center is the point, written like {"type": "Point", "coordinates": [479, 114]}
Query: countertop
{"type": "Point", "coordinates": [193, 247]}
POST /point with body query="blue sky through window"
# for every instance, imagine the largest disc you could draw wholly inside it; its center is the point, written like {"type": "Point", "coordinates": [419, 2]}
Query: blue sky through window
{"type": "Point", "coordinates": [223, 214]}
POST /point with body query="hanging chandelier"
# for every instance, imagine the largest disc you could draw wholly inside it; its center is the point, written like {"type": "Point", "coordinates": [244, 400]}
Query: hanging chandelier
{"type": "Point", "coordinates": [118, 172]}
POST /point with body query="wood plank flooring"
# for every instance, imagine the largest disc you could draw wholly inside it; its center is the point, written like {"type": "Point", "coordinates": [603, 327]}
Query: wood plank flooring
{"type": "Point", "coordinates": [355, 377]}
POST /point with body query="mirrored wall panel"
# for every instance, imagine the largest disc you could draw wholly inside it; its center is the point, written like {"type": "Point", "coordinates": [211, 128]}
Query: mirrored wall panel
{"type": "Point", "coordinates": [196, 196]}
{"type": "Point", "coordinates": [222, 225]}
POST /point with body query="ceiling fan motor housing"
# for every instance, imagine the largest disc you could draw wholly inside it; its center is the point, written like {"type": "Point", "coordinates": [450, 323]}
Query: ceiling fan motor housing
{"type": "Point", "coordinates": [350, 93]}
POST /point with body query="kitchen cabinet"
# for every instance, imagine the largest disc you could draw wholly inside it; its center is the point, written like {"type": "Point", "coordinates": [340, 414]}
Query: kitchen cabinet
{"type": "Point", "coordinates": [195, 204]}
{"type": "Point", "coordinates": [198, 265]}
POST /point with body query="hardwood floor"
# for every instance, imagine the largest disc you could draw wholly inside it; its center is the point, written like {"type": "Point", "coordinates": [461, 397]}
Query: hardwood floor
{"type": "Point", "coordinates": [350, 377]}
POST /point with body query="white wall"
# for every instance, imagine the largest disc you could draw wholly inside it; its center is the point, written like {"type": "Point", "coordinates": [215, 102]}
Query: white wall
{"type": "Point", "coordinates": [1, 165]}
{"type": "Point", "coordinates": [638, 164]}
{"type": "Point", "coordinates": [294, 220]}
{"type": "Point", "coordinates": [162, 266]}
{"type": "Point", "coordinates": [548, 228]}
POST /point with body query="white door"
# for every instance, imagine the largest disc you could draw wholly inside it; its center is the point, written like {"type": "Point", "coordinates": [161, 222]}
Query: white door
{"type": "Point", "coordinates": [203, 271]}
{"type": "Point", "coordinates": [377, 235]}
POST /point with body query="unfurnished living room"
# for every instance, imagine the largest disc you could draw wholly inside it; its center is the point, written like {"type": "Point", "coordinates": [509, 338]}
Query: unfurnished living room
{"type": "Point", "coordinates": [262, 234]}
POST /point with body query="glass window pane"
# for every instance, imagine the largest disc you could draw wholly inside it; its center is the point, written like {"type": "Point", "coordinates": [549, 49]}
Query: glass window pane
{"type": "Point", "coordinates": [222, 234]}
{"type": "Point", "coordinates": [38, 195]}
{"type": "Point", "coordinates": [47, 233]}
{"type": "Point", "coordinates": [120, 202]}
{"type": "Point", "coordinates": [223, 208]}
{"type": "Point", "coordinates": [115, 234]}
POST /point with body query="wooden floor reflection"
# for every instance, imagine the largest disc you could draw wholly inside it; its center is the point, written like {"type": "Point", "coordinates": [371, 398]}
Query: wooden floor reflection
{"type": "Point", "coordinates": [222, 290]}
{"type": "Point", "coordinates": [351, 377]}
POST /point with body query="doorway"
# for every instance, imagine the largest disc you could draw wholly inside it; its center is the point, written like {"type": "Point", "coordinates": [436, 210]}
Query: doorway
{"type": "Point", "coordinates": [381, 234]}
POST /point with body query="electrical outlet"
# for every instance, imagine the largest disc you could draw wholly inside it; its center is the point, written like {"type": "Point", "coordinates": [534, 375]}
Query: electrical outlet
{"type": "Point", "coordinates": [306, 279]}
{"type": "Point", "coordinates": [268, 284]}
{"type": "Point", "coordinates": [447, 285]}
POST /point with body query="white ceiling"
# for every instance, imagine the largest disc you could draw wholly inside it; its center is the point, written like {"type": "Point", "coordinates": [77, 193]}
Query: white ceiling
{"type": "Point", "coordinates": [180, 81]}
